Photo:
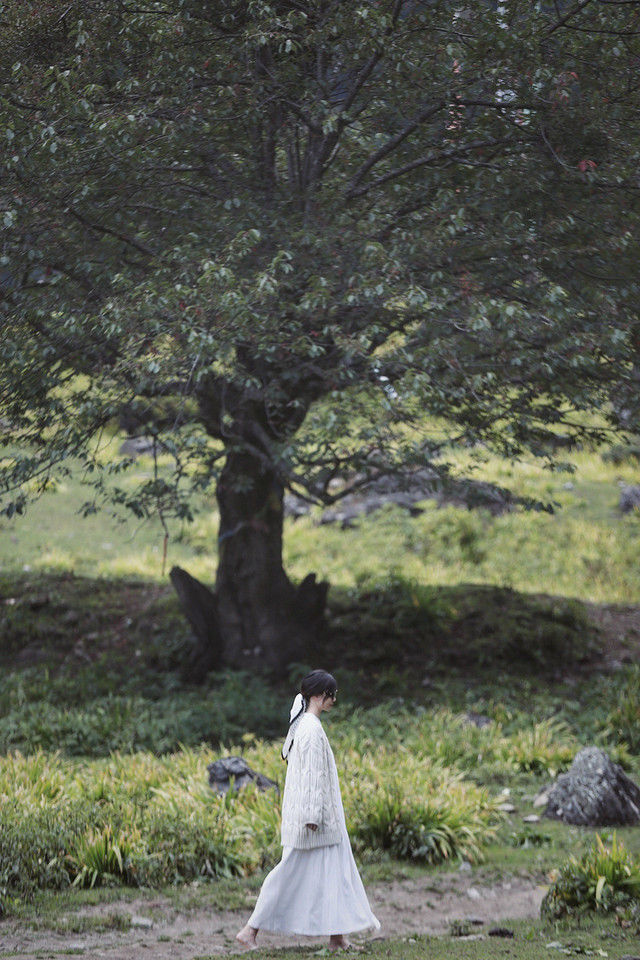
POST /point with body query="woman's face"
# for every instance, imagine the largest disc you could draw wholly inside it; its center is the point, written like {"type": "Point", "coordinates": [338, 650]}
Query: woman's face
{"type": "Point", "coordinates": [328, 700]}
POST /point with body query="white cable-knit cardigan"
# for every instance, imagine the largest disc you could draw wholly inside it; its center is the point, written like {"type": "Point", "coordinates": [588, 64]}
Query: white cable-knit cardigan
{"type": "Point", "coordinates": [311, 790]}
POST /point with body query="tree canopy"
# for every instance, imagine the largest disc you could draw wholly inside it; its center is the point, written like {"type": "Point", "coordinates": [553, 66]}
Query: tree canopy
{"type": "Point", "coordinates": [282, 235]}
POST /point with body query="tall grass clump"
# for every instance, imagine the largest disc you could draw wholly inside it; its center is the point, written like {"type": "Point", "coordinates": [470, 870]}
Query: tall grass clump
{"type": "Point", "coordinates": [100, 857]}
{"type": "Point", "coordinates": [431, 815]}
{"type": "Point", "coordinates": [605, 878]}
{"type": "Point", "coordinates": [428, 831]}
{"type": "Point", "coordinates": [546, 748]}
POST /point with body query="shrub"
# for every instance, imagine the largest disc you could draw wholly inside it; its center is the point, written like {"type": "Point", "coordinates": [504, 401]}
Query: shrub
{"type": "Point", "coordinates": [621, 453]}
{"type": "Point", "coordinates": [603, 879]}
{"type": "Point", "coordinates": [429, 829]}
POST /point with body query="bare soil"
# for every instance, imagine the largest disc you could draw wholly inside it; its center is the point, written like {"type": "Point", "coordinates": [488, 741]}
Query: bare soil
{"type": "Point", "coordinates": [424, 905]}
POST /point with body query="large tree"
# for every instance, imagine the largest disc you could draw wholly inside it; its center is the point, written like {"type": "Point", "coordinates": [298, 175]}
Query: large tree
{"type": "Point", "coordinates": [283, 236]}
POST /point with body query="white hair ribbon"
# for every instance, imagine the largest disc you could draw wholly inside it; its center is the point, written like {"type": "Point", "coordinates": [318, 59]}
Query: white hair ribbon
{"type": "Point", "coordinates": [296, 713]}
{"type": "Point", "coordinates": [296, 707]}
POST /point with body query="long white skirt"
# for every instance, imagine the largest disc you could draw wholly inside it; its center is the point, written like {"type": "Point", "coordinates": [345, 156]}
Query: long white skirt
{"type": "Point", "coordinates": [315, 892]}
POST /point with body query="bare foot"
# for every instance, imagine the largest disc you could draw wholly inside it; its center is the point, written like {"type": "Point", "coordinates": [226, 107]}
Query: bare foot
{"type": "Point", "coordinates": [247, 937]}
{"type": "Point", "coordinates": [340, 942]}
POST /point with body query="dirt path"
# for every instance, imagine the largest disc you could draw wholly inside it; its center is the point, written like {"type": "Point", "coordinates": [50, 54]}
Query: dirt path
{"type": "Point", "coordinates": [159, 931]}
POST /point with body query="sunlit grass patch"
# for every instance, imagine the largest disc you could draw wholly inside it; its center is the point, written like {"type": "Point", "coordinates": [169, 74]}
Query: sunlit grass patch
{"type": "Point", "coordinates": [586, 549]}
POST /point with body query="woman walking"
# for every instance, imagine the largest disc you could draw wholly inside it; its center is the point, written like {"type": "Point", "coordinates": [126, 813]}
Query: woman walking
{"type": "Point", "coordinates": [316, 889]}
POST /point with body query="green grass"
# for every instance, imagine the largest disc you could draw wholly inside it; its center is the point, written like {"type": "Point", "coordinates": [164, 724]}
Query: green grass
{"type": "Point", "coordinates": [529, 943]}
{"type": "Point", "coordinates": [587, 549]}
{"type": "Point", "coordinates": [137, 819]}
{"type": "Point", "coordinates": [430, 617]}
{"type": "Point", "coordinates": [426, 787]}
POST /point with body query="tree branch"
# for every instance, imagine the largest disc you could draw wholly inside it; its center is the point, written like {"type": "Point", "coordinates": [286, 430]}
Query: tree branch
{"type": "Point", "coordinates": [434, 157]}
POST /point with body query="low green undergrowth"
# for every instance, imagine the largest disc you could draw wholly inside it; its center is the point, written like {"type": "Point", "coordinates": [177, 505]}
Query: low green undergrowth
{"type": "Point", "coordinates": [623, 720]}
{"type": "Point", "coordinates": [143, 819]}
{"type": "Point", "coordinates": [606, 878]}
{"type": "Point", "coordinates": [56, 711]}
{"type": "Point", "coordinates": [415, 783]}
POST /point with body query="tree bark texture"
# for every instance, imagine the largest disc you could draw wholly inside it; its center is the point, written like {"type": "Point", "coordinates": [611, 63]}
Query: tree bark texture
{"type": "Point", "coordinates": [256, 619]}
{"type": "Point", "coordinates": [200, 606]}
{"type": "Point", "coordinates": [263, 617]}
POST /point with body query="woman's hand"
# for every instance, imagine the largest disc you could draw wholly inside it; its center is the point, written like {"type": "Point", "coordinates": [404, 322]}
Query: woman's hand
{"type": "Point", "coordinates": [311, 826]}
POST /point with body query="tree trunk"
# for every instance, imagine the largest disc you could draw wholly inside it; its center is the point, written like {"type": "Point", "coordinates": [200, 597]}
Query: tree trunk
{"type": "Point", "coordinates": [201, 608]}
{"type": "Point", "coordinates": [256, 619]}
{"type": "Point", "coordinates": [265, 621]}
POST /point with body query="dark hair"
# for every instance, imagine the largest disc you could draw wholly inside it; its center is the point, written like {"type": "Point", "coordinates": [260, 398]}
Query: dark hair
{"type": "Point", "coordinates": [314, 685]}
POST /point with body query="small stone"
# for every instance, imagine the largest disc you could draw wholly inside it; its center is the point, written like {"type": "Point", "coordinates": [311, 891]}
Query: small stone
{"type": "Point", "coordinates": [629, 498]}
{"type": "Point", "coordinates": [507, 807]}
{"type": "Point", "coordinates": [501, 932]}
{"type": "Point", "coordinates": [542, 799]}
{"type": "Point", "coordinates": [137, 446]}
{"type": "Point", "coordinates": [465, 867]}
{"type": "Point", "coordinates": [473, 894]}
{"type": "Point", "coordinates": [477, 719]}
{"type": "Point", "coordinates": [144, 923]}
{"type": "Point", "coordinates": [568, 485]}
{"type": "Point", "coordinates": [531, 818]}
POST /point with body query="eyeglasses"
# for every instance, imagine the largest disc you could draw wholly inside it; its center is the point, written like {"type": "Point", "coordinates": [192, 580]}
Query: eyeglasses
{"type": "Point", "coordinates": [334, 696]}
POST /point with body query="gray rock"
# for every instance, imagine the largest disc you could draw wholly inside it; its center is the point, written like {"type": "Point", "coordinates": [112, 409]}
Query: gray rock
{"type": "Point", "coordinates": [477, 719]}
{"type": "Point", "coordinates": [144, 923]}
{"type": "Point", "coordinates": [405, 490]}
{"type": "Point", "coordinates": [594, 792]}
{"type": "Point", "coordinates": [137, 446]}
{"type": "Point", "coordinates": [295, 506]}
{"type": "Point", "coordinates": [221, 772]}
{"type": "Point", "coordinates": [532, 818]}
{"type": "Point", "coordinates": [629, 498]}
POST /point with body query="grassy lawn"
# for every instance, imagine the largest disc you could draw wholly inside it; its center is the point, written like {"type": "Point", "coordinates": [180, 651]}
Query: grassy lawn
{"type": "Point", "coordinates": [432, 620]}
{"type": "Point", "coordinates": [586, 549]}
